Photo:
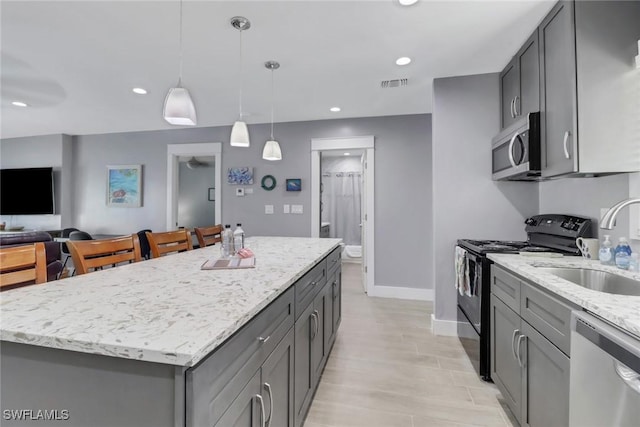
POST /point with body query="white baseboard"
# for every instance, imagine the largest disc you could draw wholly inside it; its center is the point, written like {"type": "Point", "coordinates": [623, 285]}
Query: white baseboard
{"type": "Point", "coordinates": [450, 328]}
{"type": "Point", "coordinates": [402, 293]}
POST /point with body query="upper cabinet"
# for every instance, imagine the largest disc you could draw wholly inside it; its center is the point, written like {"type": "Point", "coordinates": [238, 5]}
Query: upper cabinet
{"type": "Point", "coordinates": [589, 88]}
{"type": "Point", "coordinates": [520, 83]}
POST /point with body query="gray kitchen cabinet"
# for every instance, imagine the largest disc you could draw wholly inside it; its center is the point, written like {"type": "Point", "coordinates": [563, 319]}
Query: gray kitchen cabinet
{"type": "Point", "coordinates": [520, 83]}
{"type": "Point", "coordinates": [528, 363]}
{"type": "Point", "coordinates": [545, 381]}
{"type": "Point", "coordinates": [505, 370]}
{"type": "Point", "coordinates": [334, 307]}
{"type": "Point", "coordinates": [310, 354]}
{"type": "Point", "coordinates": [277, 383]}
{"type": "Point", "coordinates": [587, 98]}
{"type": "Point", "coordinates": [247, 408]}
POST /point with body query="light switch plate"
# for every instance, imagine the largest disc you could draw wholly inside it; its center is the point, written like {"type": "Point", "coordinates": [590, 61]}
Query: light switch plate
{"type": "Point", "coordinates": [296, 209]}
{"type": "Point", "coordinates": [268, 209]}
{"type": "Point", "coordinates": [286, 209]}
{"type": "Point", "coordinates": [248, 191]}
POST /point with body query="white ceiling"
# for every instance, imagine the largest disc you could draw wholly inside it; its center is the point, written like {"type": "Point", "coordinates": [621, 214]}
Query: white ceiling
{"type": "Point", "coordinates": [75, 62]}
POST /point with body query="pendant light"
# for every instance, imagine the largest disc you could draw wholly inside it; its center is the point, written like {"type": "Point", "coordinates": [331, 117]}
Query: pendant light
{"type": "Point", "coordinates": [178, 106]}
{"type": "Point", "coordinates": [239, 132]}
{"type": "Point", "coordinates": [271, 150]}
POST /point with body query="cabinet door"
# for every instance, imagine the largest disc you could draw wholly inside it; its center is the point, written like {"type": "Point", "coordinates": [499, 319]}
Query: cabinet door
{"type": "Point", "coordinates": [509, 85]}
{"type": "Point", "coordinates": [277, 383]}
{"type": "Point", "coordinates": [303, 373]}
{"type": "Point", "coordinates": [528, 99]}
{"type": "Point", "coordinates": [329, 328]}
{"type": "Point", "coordinates": [545, 382]}
{"type": "Point", "coordinates": [337, 300]}
{"type": "Point", "coordinates": [318, 350]}
{"type": "Point", "coordinates": [247, 409]}
{"type": "Point", "coordinates": [505, 369]}
{"type": "Point", "coordinates": [558, 95]}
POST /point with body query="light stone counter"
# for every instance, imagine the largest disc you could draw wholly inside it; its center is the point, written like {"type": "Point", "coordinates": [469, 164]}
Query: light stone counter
{"type": "Point", "coordinates": [621, 310]}
{"type": "Point", "coordinates": [164, 310]}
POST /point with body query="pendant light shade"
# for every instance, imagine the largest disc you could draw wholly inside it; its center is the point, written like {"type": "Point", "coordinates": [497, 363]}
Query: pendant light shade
{"type": "Point", "coordinates": [178, 105]}
{"type": "Point", "coordinates": [240, 134]}
{"type": "Point", "coordinates": [271, 150]}
{"type": "Point", "coordinates": [239, 131]}
{"type": "Point", "coordinates": [179, 108]}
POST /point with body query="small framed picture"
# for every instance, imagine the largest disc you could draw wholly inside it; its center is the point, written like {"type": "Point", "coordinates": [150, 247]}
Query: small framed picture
{"type": "Point", "coordinates": [241, 175]}
{"type": "Point", "coordinates": [124, 186]}
{"type": "Point", "coordinates": [212, 194]}
{"type": "Point", "coordinates": [294, 184]}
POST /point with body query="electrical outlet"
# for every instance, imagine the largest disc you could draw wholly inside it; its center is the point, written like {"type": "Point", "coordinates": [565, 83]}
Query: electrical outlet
{"type": "Point", "coordinates": [268, 209]}
{"type": "Point", "coordinates": [296, 209]}
{"type": "Point", "coordinates": [286, 209]}
{"type": "Point", "coordinates": [248, 191]}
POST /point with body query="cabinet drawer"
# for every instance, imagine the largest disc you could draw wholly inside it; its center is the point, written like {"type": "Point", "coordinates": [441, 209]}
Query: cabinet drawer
{"type": "Point", "coordinates": [506, 287]}
{"type": "Point", "coordinates": [333, 260]}
{"type": "Point", "coordinates": [548, 315]}
{"type": "Point", "coordinates": [214, 384]}
{"type": "Point", "coordinates": [309, 285]}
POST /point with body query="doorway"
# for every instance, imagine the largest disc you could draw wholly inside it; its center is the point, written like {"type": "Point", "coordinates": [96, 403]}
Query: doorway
{"type": "Point", "coordinates": [364, 146]}
{"type": "Point", "coordinates": [177, 154]}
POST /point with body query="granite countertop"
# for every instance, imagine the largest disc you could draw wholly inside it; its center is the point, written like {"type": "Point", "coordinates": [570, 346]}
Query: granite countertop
{"type": "Point", "coordinates": [621, 310]}
{"type": "Point", "coordinates": [164, 310]}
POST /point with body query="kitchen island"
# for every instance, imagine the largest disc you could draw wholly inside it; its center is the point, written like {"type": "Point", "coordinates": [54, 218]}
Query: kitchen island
{"type": "Point", "coordinates": [164, 343]}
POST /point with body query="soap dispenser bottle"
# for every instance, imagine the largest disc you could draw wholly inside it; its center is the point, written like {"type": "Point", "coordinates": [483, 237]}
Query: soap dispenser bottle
{"type": "Point", "coordinates": [606, 253]}
{"type": "Point", "coordinates": [623, 254]}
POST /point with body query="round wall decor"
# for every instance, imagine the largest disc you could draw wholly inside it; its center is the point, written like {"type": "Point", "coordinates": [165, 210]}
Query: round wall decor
{"type": "Point", "coordinates": [268, 182]}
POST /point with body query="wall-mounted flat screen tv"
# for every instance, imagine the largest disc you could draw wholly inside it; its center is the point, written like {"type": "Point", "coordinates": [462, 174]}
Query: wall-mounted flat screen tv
{"type": "Point", "coordinates": [26, 191]}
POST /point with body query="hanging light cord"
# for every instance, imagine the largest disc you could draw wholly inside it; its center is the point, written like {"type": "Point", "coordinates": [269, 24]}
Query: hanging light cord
{"type": "Point", "coordinates": [180, 75]}
{"type": "Point", "coordinates": [272, 104]}
{"type": "Point", "coordinates": [240, 96]}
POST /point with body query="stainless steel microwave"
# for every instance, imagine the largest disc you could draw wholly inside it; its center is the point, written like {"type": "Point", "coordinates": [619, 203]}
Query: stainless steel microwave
{"type": "Point", "coordinates": [516, 151]}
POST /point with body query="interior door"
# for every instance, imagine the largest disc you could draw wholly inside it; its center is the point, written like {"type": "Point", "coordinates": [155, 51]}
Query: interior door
{"type": "Point", "coordinates": [363, 219]}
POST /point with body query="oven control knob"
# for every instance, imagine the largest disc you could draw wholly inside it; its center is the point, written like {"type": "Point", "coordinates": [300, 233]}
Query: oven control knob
{"type": "Point", "coordinates": [530, 221]}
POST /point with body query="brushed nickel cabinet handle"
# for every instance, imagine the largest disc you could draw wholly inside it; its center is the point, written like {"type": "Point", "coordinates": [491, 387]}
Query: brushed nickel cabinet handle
{"type": "Point", "coordinates": [520, 339]}
{"type": "Point", "coordinates": [261, 402]}
{"type": "Point", "coordinates": [515, 106]}
{"type": "Point", "coordinates": [513, 343]}
{"type": "Point", "coordinates": [564, 144]}
{"type": "Point", "coordinates": [268, 387]}
{"type": "Point", "coordinates": [315, 324]}
{"type": "Point", "coordinates": [264, 339]}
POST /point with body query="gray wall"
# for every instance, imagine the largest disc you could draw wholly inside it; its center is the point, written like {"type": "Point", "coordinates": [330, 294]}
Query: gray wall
{"type": "Point", "coordinates": [466, 202]}
{"type": "Point", "coordinates": [585, 197]}
{"type": "Point", "coordinates": [403, 184]}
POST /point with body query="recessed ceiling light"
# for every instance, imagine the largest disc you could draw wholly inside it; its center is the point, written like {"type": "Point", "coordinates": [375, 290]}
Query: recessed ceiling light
{"type": "Point", "coordinates": [139, 91]}
{"type": "Point", "coordinates": [407, 2]}
{"type": "Point", "coordinates": [403, 60]}
{"type": "Point", "coordinates": [19, 104]}
{"type": "Point", "coordinates": [347, 154]}
{"type": "Point", "coordinates": [335, 109]}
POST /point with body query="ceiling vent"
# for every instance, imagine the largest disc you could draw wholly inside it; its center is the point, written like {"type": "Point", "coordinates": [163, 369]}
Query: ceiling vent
{"type": "Point", "coordinates": [388, 84]}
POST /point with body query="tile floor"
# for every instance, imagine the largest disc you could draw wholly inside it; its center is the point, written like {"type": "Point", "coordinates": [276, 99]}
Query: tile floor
{"type": "Point", "coordinates": [387, 369]}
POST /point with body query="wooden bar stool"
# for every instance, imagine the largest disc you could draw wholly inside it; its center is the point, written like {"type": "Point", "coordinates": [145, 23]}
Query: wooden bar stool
{"type": "Point", "coordinates": [95, 254]}
{"type": "Point", "coordinates": [23, 265]}
{"type": "Point", "coordinates": [208, 236]}
{"type": "Point", "coordinates": [165, 242]}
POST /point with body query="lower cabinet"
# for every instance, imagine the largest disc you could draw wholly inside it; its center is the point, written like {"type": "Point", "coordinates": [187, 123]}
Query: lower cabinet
{"type": "Point", "coordinates": [529, 369]}
{"type": "Point", "coordinates": [267, 400]}
{"type": "Point", "coordinates": [267, 373]}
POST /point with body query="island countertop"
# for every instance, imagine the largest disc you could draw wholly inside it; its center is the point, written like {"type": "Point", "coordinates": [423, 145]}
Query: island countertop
{"type": "Point", "coordinates": [164, 310]}
{"type": "Point", "coordinates": [621, 310]}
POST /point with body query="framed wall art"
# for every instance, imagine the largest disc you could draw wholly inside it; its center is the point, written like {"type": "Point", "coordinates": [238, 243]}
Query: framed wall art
{"type": "Point", "coordinates": [240, 176]}
{"type": "Point", "coordinates": [294, 184]}
{"type": "Point", "coordinates": [124, 186]}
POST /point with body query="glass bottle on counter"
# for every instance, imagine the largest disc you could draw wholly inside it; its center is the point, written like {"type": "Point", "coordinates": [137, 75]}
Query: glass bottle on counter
{"type": "Point", "coordinates": [606, 253]}
{"type": "Point", "coordinates": [623, 254]}
{"type": "Point", "coordinates": [238, 237]}
{"type": "Point", "coordinates": [227, 242]}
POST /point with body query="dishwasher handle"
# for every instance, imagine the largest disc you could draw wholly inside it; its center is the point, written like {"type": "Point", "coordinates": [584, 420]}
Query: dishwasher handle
{"type": "Point", "coordinates": [621, 346]}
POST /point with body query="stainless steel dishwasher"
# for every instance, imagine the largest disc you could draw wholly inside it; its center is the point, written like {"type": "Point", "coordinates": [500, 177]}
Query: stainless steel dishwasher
{"type": "Point", "coordinates": [605, 374]}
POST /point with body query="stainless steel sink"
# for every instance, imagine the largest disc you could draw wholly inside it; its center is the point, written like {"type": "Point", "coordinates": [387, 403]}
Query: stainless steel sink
{"type": "Point", "coordinates": [597, 280]}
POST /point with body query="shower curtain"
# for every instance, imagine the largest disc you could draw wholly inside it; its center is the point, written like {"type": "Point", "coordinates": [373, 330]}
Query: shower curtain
{"type": "Point", "coordinates": [341, 194]}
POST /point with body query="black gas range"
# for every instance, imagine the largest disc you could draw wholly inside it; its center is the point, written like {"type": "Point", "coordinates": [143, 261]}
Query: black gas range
{"type": "Point", "coordinates": [545, 233]}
